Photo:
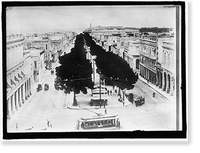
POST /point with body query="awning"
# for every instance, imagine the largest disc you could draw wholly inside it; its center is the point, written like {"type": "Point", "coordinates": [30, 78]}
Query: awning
{"type": "Point", "coordinates": [16, 79]}
{"type": "Point", "coordinates": [12, 82]}
{"type": "Point", "coordinates": [23, 74]}
{"type": "Point", "coordinates": [9, 86]}
{"type": "Point", "coordinates": [19, 76]}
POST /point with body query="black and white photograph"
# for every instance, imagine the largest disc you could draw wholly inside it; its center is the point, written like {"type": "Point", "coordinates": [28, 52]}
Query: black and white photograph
{"type": "Point", "coordinates": [94, 70]}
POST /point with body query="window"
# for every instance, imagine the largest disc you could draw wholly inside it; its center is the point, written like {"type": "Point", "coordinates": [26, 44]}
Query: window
{"type": "Point", "coordinates": [145, 47]}
{"type": "Point", "coordinates": [35, 64]}
{"type": "Point", "coordinates": [168, 59]}
{"type": "Point", "coordinates": [164, 58]}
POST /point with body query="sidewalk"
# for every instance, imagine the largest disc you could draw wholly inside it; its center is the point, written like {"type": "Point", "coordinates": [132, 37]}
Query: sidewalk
{"type": "Point", "coordinates": [33, 91]}
{"type": "Point", "coordinates": [160, 91]}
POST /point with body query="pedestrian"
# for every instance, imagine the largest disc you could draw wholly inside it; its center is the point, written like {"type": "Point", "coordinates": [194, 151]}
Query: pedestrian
{"type": "Point", "coordinates": [108, 92]}
{"type": "Point", "coordinates": [16, 126]}
{"type": "Point", "coordinates": [123, 103]}
{"type": "Point", "coordinates": [48, 123]}
{"type": "Point", "coordinates": [154, 94]}
{"type": "Point", "coordinates": [104, 104]}
{"type": "Point", "coordinates": [105, 111]}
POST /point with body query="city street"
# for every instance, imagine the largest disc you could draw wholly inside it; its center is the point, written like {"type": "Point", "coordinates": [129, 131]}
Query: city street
{"type": "Point", "coordinates": [96, 73]}
{"type": "Point", "coordinates": [156, 114]}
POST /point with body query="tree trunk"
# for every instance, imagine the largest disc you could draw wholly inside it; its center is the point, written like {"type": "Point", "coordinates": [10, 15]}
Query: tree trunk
{"type": "Point", "coordinates": [119, 92]}
{"type": "Point", "coordinates": [123, 95]}
{"type": "Point", "coordinates": [75, 101]}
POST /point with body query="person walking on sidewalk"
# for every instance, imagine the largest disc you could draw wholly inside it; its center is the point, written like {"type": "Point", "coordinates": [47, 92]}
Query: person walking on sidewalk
{"type": "Point", "coordinates": [105, 111]}
{"type": "Point", "coordinates": [48, 123]}
{"type": "Point", "coordinates": [16, 126]}
{"type": "Point", "coordinates": [154, 94]}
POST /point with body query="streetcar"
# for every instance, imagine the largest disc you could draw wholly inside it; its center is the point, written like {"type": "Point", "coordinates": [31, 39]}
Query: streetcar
{"type": "Point", "coordinates": [106, 121]}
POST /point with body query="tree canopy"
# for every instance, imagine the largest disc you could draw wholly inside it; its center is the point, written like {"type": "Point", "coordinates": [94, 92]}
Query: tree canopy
{"type": "Point", "coordinates": [74, 73]}
{"type": "Point", "coordinates": [111, 66]}
{"type": "Point", "coordinates": [154, 29]}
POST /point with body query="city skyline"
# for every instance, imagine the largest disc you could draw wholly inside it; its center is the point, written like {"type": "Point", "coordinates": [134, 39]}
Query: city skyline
{"type": "Point", "coordinates": [78, 18]}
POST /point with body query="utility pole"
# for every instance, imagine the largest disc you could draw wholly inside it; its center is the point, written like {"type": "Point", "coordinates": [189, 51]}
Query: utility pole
{"type": "Point", "coordinates": [100, 85]}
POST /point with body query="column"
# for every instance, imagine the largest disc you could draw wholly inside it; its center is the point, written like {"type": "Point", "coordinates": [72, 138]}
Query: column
{"type": "Point", "coordinates": [12, 105]}
{"type": "Point", "coordinates": [167, 83]}
{"type": "Point", "coordinates": [30, 85]}
{"type": "Point", "coordinates": [164, 81]}
{"type": "Point", "coordinates": [8, 108]}
{"type": "Point", "coordinates": [157, 78]}
{"type": "Point", "coordinates": [142, 71]}
{"type": "Point", "coordinates": [16, 100]}
{"type": "Point", "coordinates": [22, 94]}
{"type": "Point", "coordinates": [19, 97]}
{"type": "Point", "coordinates": [145, 73]}
{"type": "Point", "coordinates": [160, 79]}
{"type": "Point", "coordinates": [172, 86]}
{"type": "Point", "coordinates": [28, 91]}
{"type": "Point", "coordinates": [150, 77]}
{"type": "Point", "coordinates": [25, 87]}
{"type": "Point", "coordinates": [154, 78]}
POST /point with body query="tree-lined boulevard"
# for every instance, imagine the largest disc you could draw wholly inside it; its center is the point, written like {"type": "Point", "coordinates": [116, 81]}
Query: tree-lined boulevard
{"type": "Point", "coordinates": [57, 108]}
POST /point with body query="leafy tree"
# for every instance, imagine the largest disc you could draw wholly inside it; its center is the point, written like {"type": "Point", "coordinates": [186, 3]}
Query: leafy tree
{"type": "Point", "coordinates": [111, 66]}
{"type": "Point", "coordinates": [74, 73]}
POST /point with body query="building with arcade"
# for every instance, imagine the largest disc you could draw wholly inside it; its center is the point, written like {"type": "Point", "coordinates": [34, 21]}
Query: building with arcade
{"type": "Point", "coordinates": [19, 74]}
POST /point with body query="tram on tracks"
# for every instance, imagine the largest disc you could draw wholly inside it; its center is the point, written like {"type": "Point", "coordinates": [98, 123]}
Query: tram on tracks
{"type": "Point", "coordinates": [107, 121]}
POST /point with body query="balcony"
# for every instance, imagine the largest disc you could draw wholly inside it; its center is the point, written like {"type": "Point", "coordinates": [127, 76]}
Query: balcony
{"type": "Point", "coordinates": [147, 55]}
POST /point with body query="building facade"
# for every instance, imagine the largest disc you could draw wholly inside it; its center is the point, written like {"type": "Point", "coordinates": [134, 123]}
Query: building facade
{"type": "Point", "coordinates": [19, 74]}
{"type": "Point", "coordinates": [148, 57]}
{"type": "Point", "coordinates": [166, 65]}
{"type": "Point", "coordinates": [119, 43]}
{"type": "Point", "coordinates": [57, 46]}
{"type": "Point", "coordinates": [38, 62]}
{"type": "Point", "coordinates": [131, 54]}
{"type": "Point", "coordinates": [41, 43]}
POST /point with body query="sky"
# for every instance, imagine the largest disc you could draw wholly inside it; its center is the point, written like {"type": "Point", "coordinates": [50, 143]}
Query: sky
{"type": "Point", "coordinates": [78, 18]}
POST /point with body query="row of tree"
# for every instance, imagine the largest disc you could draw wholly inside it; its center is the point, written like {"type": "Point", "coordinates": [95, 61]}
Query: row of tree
{"type": "Point", "coordinates": [74, 73]}
{"type": "Point", "coordinates": [154, 29]}
{"type": "Point", "coordinates": [111, 66]}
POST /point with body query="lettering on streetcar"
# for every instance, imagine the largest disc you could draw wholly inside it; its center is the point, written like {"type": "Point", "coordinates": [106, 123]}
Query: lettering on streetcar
{"type": "Point", "coordinates": [98, 122]}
